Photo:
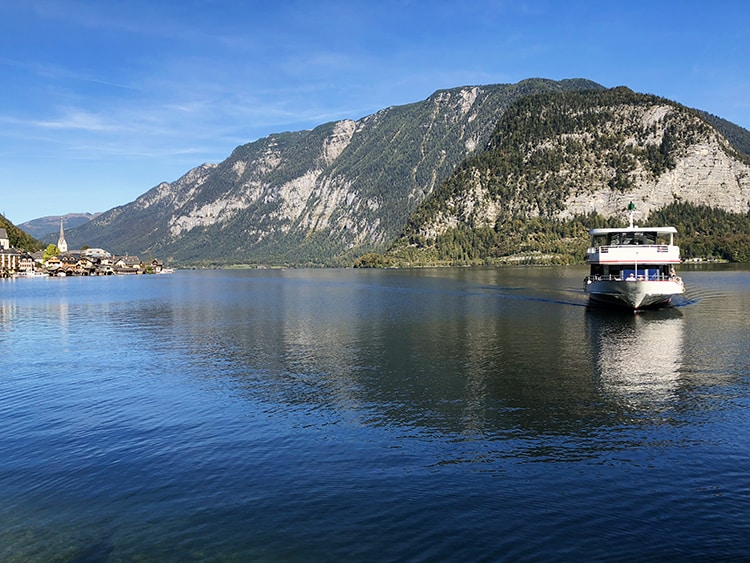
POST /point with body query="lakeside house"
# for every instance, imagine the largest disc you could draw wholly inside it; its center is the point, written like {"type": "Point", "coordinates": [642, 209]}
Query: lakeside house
{"type": "Point", "coordinates": [98, 262]}
{"type": "Point", "coordinates": [85, 262]}
{"type": "Point", "coordinates": [12, 259]}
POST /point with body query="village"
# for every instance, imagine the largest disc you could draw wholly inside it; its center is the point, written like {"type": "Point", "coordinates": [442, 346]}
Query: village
{"type": "Point", "coordinates": [15, 262]}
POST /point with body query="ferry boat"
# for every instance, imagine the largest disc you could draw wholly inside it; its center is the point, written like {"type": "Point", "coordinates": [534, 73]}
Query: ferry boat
{"type": "Point", "coordinates": [633, 266]}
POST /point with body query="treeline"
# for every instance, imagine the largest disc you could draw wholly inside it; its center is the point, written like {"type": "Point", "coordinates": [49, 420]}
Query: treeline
{"type": "Point", "coordinates": [705, 232]}
{"type": "Point", "coordinates": [538, 240]}
{"type": "Point", "coordinates": [739, 137]}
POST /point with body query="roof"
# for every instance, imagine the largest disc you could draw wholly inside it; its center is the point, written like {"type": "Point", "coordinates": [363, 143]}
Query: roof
{"type": "Point", "coordinates": [658, 230]}
{"type": "Point", "coordinates": [130, 260]}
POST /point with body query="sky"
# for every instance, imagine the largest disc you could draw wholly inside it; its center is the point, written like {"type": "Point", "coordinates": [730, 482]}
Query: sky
{"type": "Point", "coordinates": [102, 100]}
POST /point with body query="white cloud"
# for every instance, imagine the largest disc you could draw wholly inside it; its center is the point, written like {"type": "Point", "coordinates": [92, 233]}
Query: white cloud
{"type": "Point", "coordinates": [78, 120]}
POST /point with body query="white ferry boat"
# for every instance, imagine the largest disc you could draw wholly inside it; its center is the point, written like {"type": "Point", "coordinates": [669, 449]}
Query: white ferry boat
{"type": "Point", "coordinates": [633, 266]}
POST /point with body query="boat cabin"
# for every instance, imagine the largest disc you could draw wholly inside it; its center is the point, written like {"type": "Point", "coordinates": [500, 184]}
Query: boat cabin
{"type": "Point", "coordinates": [633, 253]}
{"type": "Point", "coordinates": [626, 237]}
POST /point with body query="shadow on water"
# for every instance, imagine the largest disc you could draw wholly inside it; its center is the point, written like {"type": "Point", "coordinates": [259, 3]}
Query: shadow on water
{"type": "Point", "coordinates": [685, 301]}
{"type": "Point", "coordinates": [610, 311]}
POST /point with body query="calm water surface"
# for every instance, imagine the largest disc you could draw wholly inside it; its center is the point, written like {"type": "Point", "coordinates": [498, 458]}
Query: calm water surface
{"type": "Point", "coordinates": [344, 415]}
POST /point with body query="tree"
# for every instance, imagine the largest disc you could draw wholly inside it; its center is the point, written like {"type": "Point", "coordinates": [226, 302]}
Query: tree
{"type": "Point", "coordinates": [372, 260]}
{"type": "Point", "coordinates": [50, 251]}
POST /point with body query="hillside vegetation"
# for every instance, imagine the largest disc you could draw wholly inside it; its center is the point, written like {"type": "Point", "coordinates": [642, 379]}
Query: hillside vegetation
{"type": "Point", "coordinates": [502, 173]}
{"type": "Point", "coordinates": [558, 165]}
{"type": "Point", "coordinates": [706, 232]}
{"type": "Point", "coordinates": [19, 238]}
{"type": "Point", "coordinates": [318, 197]}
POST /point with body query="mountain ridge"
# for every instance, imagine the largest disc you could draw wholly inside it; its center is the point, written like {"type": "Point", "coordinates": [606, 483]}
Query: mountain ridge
{"type": "Point", "coordinates": [554, 160]}
{"type": "Point", "coordinates": [328, 195]}
{"type": "Point", "coordinates": [322, 196]}
{"type": "Point", "coordinates": [48, 228]}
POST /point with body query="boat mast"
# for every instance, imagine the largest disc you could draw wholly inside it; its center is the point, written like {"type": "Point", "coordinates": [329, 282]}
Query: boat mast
{"type": "Point", "coordinates": [631, 213]}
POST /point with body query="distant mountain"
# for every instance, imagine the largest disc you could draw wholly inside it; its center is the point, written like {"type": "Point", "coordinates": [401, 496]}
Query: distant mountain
{"type": "Point", "coordinates": [48, 228]}
{"type": "Point", "coordinates": [323, 196]}
{"type": "Point", "coordinates": [557, 164]}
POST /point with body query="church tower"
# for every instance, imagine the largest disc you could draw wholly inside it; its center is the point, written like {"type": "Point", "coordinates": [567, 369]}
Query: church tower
{"type": "Point", "coordinates": [62, 246]}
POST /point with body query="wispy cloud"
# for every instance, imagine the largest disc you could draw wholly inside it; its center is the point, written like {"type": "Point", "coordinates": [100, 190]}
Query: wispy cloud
{"type": "Point", "coordinates": [173, 83]}
{"type": "Point", "coordinates": [77, 120]}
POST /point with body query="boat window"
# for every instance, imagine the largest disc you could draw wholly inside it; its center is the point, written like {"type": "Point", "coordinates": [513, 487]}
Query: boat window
{"type": "Point", "coordinates": [642, 238]}
{"type": "Point", "coordinates": [663, 238]}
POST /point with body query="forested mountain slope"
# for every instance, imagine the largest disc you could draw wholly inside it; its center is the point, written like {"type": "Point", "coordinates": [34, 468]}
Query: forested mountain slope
{"type": "Point", "coordinates": [19, 238]}
{"type": "Point", "coordinates": [323, 196]}
{"type": "Point", "coordinates": [558, 164]}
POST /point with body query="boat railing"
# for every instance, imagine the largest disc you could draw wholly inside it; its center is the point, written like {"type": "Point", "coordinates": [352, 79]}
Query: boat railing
{"type": "Point", "coordinates": [605, 249]}
{"type": "Point", "coordinates": [632, 277]}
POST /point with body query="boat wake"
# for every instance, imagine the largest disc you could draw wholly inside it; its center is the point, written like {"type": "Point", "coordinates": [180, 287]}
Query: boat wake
{"type": "Point", "coordinates": [510, 293]}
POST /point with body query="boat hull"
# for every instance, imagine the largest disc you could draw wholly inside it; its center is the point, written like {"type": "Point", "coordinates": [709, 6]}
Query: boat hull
{"type": "Point", "coordinates": [634, 294]}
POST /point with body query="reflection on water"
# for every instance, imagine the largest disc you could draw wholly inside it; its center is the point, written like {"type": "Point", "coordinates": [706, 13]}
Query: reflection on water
{"type": "Point", "coordinates": [481, 414]}
{"type": "Point", "coordinates": [638, 357]}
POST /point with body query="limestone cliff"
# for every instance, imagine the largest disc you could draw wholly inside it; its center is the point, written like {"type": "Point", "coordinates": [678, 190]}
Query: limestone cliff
{"type": "Point", "coordinates": [465, 157]}
{"type": "Point", "coordinates": [589, 152]}
{"type": "Point", "coordinates": [321, 196]}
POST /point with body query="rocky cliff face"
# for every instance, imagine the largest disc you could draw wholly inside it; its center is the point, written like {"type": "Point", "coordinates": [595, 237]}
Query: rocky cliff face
{"type": "Point", "coordinates": [319, 196]}
{"type": "Point", "coordinates": [590, 152]}
{"type": "Point", "coordinates": [328, 195]}
{"type": "Point", "coordinates": [707, 171]}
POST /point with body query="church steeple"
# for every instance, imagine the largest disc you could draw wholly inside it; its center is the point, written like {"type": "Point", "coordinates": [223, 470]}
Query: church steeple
{"type": "Point", "coordinates": [62, 246]}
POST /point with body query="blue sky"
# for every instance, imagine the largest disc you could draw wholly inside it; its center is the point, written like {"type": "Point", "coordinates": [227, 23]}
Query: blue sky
{"type": "Point", "coordinates": [102, 100]}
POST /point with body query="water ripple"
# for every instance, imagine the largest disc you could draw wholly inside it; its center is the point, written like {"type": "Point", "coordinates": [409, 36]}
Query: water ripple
{"type": "Point", "coordinates": [339, 415]}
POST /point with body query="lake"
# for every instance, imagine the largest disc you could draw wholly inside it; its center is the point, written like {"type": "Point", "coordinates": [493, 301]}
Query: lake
{"type": "Point", "coordinates": [372, 415]}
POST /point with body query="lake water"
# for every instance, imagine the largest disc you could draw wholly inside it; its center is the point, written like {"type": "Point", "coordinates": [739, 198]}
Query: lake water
{"type": "Point", "coordinates": [369, 415]}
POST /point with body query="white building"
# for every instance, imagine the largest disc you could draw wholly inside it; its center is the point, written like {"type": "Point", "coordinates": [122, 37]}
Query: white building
{"type": "Point", "coordinates": [62, 246]}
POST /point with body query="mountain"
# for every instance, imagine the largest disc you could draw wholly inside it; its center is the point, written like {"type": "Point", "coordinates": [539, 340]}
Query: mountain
{"type": "Point", "coordinates": [558, 164]}
{"type": "Point", "coordinates": [738, 136]}
{"type": "Point", "coordinates": [323, 196]}
{"type": "Point", "coordinates": [18, 238]}
{"type": "Point", "coordinates": [477, 174]}
{"type": "Point", "coordinates": [48, 228]}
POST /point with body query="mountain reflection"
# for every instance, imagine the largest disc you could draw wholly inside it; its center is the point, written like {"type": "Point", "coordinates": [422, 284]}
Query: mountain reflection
{"type": "Point", "coordinates": [475, 358]}
{"type": "Point", "coordinates": [508, 363]}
